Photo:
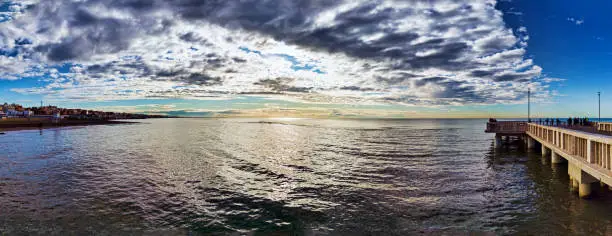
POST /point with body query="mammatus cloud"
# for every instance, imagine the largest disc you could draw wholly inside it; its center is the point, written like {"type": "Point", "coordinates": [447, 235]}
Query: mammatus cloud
{"type": "Point", "coordinates": [414, 52]}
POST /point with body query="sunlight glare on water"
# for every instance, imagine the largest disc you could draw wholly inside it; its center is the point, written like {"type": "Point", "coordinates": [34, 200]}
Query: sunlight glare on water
{"type": "Point", "coordinates": [300, 176]}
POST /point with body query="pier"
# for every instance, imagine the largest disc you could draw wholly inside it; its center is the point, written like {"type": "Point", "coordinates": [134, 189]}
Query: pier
{"type": "Point", "coordinates": [587, 150]}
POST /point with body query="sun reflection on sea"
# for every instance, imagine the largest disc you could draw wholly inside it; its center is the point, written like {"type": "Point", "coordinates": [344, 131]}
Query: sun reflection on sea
{"type": "Point", "coordinates": [286, 118]}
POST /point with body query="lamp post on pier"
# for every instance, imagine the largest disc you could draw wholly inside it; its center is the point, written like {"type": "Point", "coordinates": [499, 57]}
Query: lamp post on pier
{"type": "Point", "coordinates": [599, 106]}
{"type": "Point", "coordinates": [529, 105]}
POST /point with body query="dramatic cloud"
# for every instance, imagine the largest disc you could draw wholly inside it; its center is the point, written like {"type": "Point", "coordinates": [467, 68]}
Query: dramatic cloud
{"type": "Point", "coordinates": [416, 52]}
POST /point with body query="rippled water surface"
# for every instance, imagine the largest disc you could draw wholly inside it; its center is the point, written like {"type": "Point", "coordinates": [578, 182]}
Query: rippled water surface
{"type": "Point", "coordinates": [288, 176]}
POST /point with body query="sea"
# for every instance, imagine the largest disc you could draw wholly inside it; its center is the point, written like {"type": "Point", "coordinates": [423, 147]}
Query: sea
{"type": "Point", "coordinates": [286, 176]}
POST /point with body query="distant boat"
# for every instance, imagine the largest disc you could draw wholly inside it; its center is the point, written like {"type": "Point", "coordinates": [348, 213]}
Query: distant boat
{"type": "Point", "coordinates": [1, 133]}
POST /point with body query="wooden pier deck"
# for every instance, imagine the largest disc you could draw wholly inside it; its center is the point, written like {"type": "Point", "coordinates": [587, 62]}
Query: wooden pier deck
{"type": "Point", "coordinates": [588, 151]}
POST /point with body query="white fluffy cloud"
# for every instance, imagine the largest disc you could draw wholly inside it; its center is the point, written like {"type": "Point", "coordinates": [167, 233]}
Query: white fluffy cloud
{"type": "Point", "coordinates": [409, 52]}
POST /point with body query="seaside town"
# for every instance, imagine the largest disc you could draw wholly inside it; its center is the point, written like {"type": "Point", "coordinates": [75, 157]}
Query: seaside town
{"type": "Point", "coordinates": [16, 112]}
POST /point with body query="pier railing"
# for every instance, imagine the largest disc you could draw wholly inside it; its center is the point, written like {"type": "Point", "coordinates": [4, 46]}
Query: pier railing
{"type": "Point", "coordinates": [604, 126]}
{"type": "Point", "coordinates": [507, 127]}
{"type": "Point", "coordinates": [592, 148]}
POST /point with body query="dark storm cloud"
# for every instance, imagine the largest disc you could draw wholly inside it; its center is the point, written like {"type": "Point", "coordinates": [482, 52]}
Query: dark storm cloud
{"type": "Point", "coordinates": [170, 73]}
{"type": "Point", "coordinates": [291, 21]}
{"type": "Point", "coordinates": [230, 71]}
{"type": "Point", "coordinates": [483, 73]}
{"type": "Point", "coordinates": [453, 89]}
{"type": "Point", "coordinates": [99, 35]}
{"type": "Point", "coordinates": [281, 85]}
{"type": "Point", "coordinates": [90, 34]}
{"type": "Point", "coordinates": [286, 20]}
{"type": "Point", "coordinates": [397, 78]}
{"type": "Point", "coordinates": [192, 37]}
{"type": "Point", "coordinates": [239, 60]}
{"type": "Point", "coordinates": [392, 45]}
{"type": "Point", "coordinates": [133, 67]}
{"type": "Point", "coordinates": [138, 5]}
{"type": "Point", "coordinates": [356, 88]}
{"type": "Point", "coordinates": [189, 78]}
{"type": "Point", "coordinates": [435, 80]}
{"type": "Point", "coordinates": [201, 79]}
{"type": "Point", "coordinates": [458, 89]}
{"type": "Point", "coordinates": [23, 41]}
{"type": "Point", "coordinates": [518, 77]}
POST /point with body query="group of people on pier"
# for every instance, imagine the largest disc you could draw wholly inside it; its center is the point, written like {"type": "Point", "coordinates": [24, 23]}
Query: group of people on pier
{"type": "Point", "coordinates": [570, 122]}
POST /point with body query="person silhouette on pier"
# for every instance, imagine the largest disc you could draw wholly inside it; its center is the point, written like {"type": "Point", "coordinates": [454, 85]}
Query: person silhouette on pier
{"type": "Point", "coordinates": [576, 121]}
{"type": "Point", "coordinates": [569, 121]}
{"type": "Point", "coordinates": [587, 122]}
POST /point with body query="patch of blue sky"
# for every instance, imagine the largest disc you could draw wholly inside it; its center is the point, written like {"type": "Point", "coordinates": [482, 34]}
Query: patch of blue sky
{"type": "Point", "coordinates": [6, 10]}
{"type": "Point", "coordinates": [63, 68]}
{"type": "Point", "coordinates": [296, 65]}
{"type": "Point", "coordinates": [5, 6]}
{"type": "Point", "coordinates": [318, 71]}
{"type": "Point", "coordinates": [7, 86]}
{"type": "Point", "coordinates": [23, 41]}
{"type": "Point", "coordinates": [125, 91]}
{"type": "Point", "coordinates": [4, 18]}
{"type": "Point", "coordinates": [247, 50]}
{"type": "Point", "coordinates": [13, 52]}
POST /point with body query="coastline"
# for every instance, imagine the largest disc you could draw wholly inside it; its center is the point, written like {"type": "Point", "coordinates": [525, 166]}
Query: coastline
{"type": "Point", "coordinates": [8, 125]}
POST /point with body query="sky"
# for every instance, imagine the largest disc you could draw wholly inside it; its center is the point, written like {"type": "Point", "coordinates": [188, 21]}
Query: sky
{"type": "Point", "coordinates": [310, 58]}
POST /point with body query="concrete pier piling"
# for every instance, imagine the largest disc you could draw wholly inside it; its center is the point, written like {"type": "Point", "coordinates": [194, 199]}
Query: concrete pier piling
{"type": "Point", "coordinates": [555, 158]}
{"type": "Point", "coordinates": [545, 151]}
{"type": "Point", "coordinates": [581, 180]}
{"type": "Point", "coordinates": [585, 190]}
{"type": "Point", "coordinates": [498, 141]}
{"type": "Point", "coordinates": [573, 184]}
{"type": "Point", "coordinates": [531, 143]}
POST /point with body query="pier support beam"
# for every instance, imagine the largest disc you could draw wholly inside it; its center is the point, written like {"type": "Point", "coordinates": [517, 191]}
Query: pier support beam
{"type": "Point", "coordinates": [555, 158]}
{"type": "Point", "coordinates": [585, 190]}
{"type": "Point", "coordinates": [582, 180]}
{"type": "Point", "coordinates": [498, 141]}
{"type": "Point", "coordinates": [573, 184]}
{"type": "Point", "coordinates": [530, 143]}
{"type": "Point", "coordinates": [545, 150]}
